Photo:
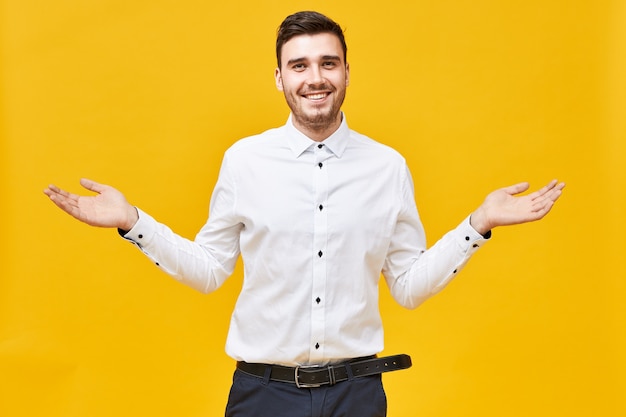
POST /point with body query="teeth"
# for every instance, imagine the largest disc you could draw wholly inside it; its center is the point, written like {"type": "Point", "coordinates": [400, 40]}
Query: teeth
{"type": "Point", "coordinates": [316, 96]}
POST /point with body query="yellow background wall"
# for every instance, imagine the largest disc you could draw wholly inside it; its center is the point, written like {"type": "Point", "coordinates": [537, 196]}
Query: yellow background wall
{"type": "Point", "coordinates": [146, 96]}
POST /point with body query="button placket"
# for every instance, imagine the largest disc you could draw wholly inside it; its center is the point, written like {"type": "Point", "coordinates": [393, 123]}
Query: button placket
{"type": "Point", "coordinates": [320, 236]}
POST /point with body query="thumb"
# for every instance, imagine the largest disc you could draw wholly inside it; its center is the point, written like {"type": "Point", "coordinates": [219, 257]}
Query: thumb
{"type": "Point", "coordinates": [517, 188]}
{"type": "Point", "coordinates": [92, 185]}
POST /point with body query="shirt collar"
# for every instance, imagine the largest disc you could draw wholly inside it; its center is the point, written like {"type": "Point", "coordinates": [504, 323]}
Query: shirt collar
{"type": "Point", "coordinates": [336, 143]}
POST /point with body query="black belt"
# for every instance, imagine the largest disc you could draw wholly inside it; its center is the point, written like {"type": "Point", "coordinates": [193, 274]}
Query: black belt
{"type": "Point", "coordinates": [315, 376]}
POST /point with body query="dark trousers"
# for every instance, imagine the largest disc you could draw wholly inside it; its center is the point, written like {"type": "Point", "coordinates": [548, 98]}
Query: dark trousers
{"type": "Point", "coordinates": [252, 396]}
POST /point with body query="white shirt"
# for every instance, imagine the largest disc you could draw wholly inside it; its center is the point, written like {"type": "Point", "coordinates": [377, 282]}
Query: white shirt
{"type": "Point", "coordinates": [316, 224]}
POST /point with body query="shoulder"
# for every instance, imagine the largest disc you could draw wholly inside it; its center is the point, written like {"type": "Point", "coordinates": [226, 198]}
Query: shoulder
{"type": "Point", "coordinates": [260, 140]}
{"type": "Point", "coordinates": [257, 147]}
{"type": "Point", "coordinates": [362, 143]}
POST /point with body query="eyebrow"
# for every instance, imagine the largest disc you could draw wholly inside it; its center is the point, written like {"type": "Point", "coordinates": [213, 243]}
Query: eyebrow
{"type": "Point", "coordinates": [323, 58]}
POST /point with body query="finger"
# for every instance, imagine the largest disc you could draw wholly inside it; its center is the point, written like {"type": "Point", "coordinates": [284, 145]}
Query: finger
{"type": "Point", "coordinates": [543, 210]}
{"type": "Point", "coordinates": [545, 204]}
{"type": "Point", "coordinates": [549, 186]}
{"type": "Point", "coordinates": [50, 190]}
{"type": "Point", "coordinates": [55, 192]}
{"type": "Point", "coordinates": [542, 204]}
{"type": "Point", "coordinates": [552, 191]}
{"type": "Point", "coordinates": [66, 204]}
{"type": "Point", "coordinates": [556, 192]}
{"type": "Point", "coordinates": [543, 191]}
{"type": "Point", "coordinates": [560, 186]}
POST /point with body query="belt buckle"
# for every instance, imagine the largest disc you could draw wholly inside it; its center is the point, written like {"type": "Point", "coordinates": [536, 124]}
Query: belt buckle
{"type": "Point", "coordinates": [296, 376]}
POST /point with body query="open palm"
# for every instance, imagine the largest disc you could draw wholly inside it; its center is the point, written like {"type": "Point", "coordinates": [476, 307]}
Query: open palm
{"type": "Point", "coordinates": [108, 208]}
{"type": "Point", "coordinates": [504, 207]}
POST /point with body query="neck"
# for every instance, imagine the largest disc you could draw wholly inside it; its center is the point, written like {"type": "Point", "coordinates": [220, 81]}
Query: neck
{"type": "Point", "coordinates": [318, 132]}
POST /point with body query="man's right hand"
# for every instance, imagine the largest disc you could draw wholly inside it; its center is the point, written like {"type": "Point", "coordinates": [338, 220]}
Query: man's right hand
{"type": "Point", "coordinates": [108, 208]}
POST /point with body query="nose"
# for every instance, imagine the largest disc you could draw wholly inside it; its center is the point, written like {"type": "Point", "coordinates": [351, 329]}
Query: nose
{"type": "Point", "coordinates": [315, 75]}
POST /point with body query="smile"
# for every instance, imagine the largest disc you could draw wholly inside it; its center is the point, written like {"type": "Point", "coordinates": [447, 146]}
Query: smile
{"type": "Point", "coordinates": [316, 96]}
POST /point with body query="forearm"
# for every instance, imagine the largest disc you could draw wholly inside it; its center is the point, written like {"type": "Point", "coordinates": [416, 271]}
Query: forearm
{"type": "Point", "coordinates": [189, 262]}
{"type": "Point", "coordinates": [436, 267]}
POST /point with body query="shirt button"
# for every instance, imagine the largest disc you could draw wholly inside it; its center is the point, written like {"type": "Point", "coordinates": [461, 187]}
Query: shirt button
{"type": "Point", "coordinates": [320, 146]}
{"type": "Point", "coordinates": [318, 300]}
{"type": "Point", "coordinates": [321, 207]}
{"type": "Point", "coordinates": [320, 165]}
{"type": "Point", "coordinates": [140, 236]}
{"type": "Point", "coordinates": [320, 253]}
{"type": "Point", "coordinates": [317, 346]}
{"type": "Point", "coordinates": [467, 238]}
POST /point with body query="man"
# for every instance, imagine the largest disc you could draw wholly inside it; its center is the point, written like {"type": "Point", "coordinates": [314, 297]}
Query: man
{"type": "Point", "coordinates": [317, 212]}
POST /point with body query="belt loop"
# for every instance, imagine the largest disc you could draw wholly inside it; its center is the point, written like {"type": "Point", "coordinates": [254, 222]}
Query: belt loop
{"type": "Point", "coordinates": [267, 374]}
{"type": "Point", "coordinates": [349, 371]}
{"type": "Point", "coordinates": [331, 375]}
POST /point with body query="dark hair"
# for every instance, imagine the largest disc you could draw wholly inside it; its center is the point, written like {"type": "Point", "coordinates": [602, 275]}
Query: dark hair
{"type": "Point", "coordinates": [307, 23]}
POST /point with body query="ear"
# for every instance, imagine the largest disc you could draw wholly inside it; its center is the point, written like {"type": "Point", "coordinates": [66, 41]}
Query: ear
{"type": "Point", "coordinates": [347, 74]}
{"type": "Point", "coordinates": [279, 79]}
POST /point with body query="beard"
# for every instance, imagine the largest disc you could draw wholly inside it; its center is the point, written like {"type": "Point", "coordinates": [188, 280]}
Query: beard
{"type": "Point", "coordinates": [315, 118]}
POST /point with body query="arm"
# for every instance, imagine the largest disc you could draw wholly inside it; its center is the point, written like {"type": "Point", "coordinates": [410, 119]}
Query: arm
{"type": "Point", "coordinates": [203, 264]}
{"type": "Point", "coordinates": [414, 274]}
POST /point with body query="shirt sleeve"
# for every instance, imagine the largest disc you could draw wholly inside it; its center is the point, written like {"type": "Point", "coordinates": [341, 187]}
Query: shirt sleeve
{"type": "Point", "coordinates": [414, 273]}
{"type": "Point", "coordinates": [204, 263]}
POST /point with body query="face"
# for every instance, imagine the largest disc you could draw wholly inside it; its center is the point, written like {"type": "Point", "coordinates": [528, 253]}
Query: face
{"type": "Point", "coordinates": [314, 76]}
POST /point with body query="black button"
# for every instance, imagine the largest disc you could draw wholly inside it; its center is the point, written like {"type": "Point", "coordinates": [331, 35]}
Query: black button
{"type": "Point", "coordinates": [454, 271]}
{"type": "Point", "coordinates": [321, 207]}
{"type": "Point", "coordinates": [157, 264]}
{"type": "Point", "coordinates": [475, 245]}
{"type": "Point", "coordinates": [320, 165]}
{"type": "Point", "coordinates": [320, 253]}
{"type": "Point", "coordinates": [317, 346]}
{"type": "Point", "coordinates": [318, 300]}
{"type": "Point", "coordinates": [140, 236]}
{"type": "Point", "coordinates": [467, 238]}
{"type": "Point", "coordinates": [320, 146]}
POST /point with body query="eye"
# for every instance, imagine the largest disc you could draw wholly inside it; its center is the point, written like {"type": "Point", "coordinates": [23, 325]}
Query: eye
{"type": "Point", "coordinates": [329, 64]}
{"type": "Point", "coordinates": [298, 67]}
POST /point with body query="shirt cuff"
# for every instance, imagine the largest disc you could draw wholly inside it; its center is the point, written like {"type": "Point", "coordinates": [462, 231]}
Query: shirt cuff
{"type": "Point", "coordinates": [470, 239]}
{"type": "Point", "coordinates": [142, 232]}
